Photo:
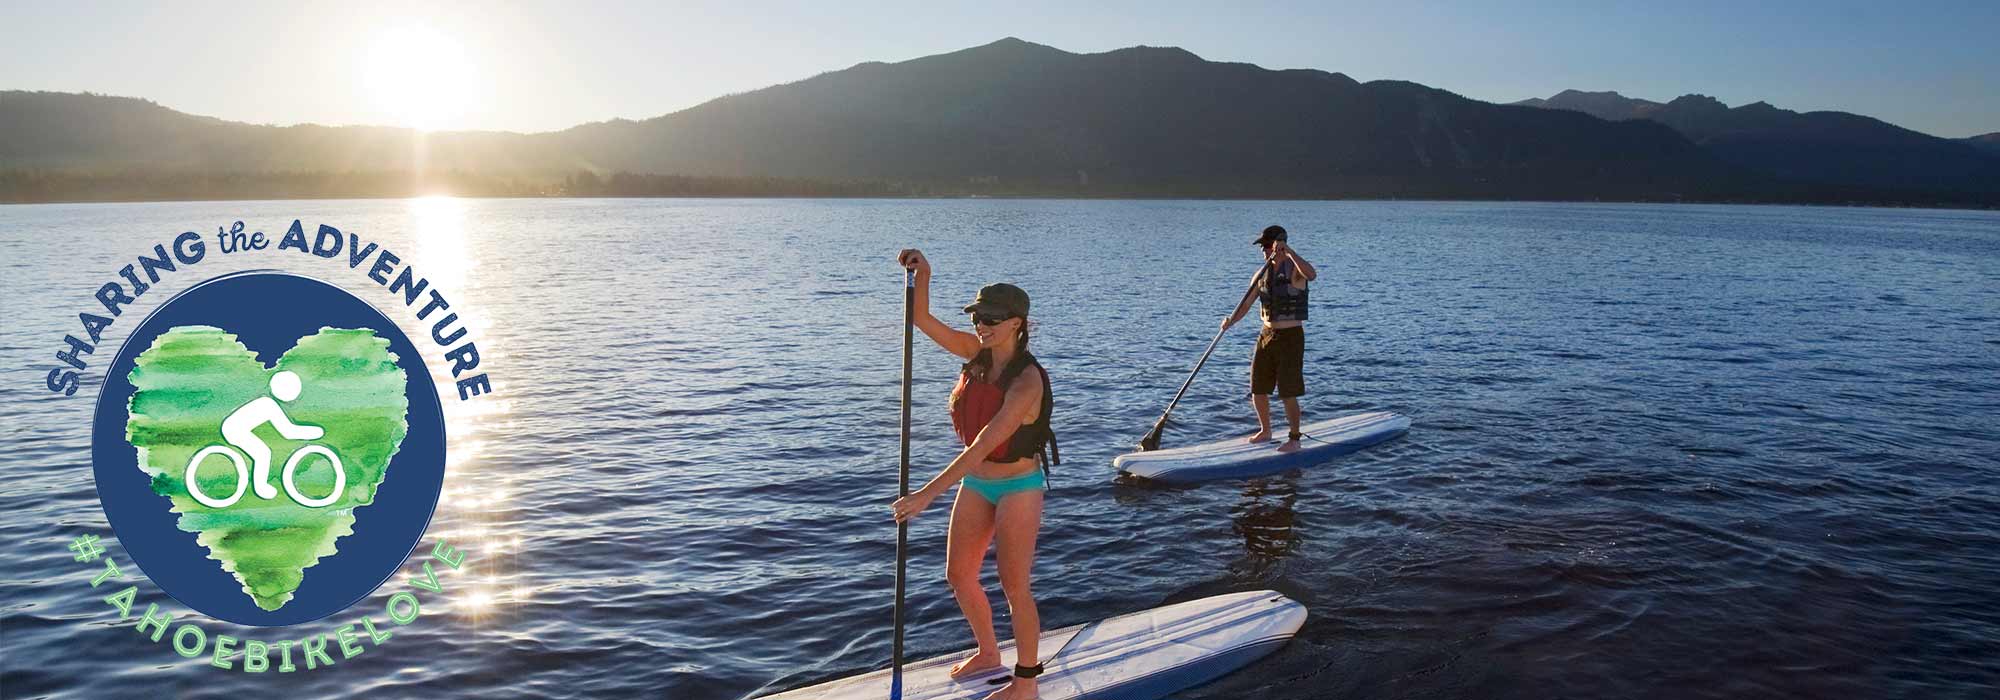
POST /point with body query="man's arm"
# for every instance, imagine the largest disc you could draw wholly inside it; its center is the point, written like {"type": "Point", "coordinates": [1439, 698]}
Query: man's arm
{"type": "Point", "coordinates": [1304, 268]}
{"type": "Point", "coordinates": [1243, 307]}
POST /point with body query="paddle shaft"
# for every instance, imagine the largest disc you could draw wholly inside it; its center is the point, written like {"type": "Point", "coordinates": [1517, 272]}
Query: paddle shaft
{"type": "Point", "coordinates": [903, 486]}
{"type": "Point", "coordinates": [1152, 440]}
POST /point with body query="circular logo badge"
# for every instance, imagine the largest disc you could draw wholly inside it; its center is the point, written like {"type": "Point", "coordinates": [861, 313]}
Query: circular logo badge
{"type": "Point", "coordinates": [268, 448]}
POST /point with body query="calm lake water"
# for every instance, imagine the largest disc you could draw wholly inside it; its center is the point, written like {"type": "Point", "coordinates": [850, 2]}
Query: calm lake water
{"type": "Point", "coordinates": [1658, 451]}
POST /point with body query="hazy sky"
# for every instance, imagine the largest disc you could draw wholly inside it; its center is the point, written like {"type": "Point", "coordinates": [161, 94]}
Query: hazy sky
{"type": "Point", "coordinates": [1930, 66]}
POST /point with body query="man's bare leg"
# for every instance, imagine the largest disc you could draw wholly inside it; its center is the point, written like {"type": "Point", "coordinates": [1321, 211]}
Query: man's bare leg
{"type": "Point", "coordinates": [1291, 417]}
{"type": "Point", "coordinates": [1263, 405]}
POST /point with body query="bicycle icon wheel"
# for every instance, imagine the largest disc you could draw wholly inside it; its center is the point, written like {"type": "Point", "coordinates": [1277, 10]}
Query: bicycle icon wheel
{"type": "Point", "coordinates": [292, 469]}
{"type": "Point", "coordinates": [242, 476]}
{"type": "Point", "coordinates": [289, 476]}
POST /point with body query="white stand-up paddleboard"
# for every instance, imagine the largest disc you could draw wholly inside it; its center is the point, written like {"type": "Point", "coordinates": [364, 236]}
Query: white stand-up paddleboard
{"type": "Point", "coordinates": [1235, 458]}
{"type": "Point", "coordinates": [1146, 654]}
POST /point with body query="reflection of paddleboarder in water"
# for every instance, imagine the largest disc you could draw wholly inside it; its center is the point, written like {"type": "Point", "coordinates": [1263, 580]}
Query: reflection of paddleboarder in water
{"type": "Point", "coordinates": [1268, 521]}
{"type": "Point", "coordinates": [241, 425]}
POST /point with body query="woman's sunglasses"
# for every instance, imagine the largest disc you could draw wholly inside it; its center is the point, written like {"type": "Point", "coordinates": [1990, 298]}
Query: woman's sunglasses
{"type": "Point", "coordinates": [986, 319]}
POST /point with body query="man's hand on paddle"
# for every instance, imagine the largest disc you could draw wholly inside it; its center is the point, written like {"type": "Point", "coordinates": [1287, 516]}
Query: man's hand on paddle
{"type": "Point", "coordinates": [1281, 251]}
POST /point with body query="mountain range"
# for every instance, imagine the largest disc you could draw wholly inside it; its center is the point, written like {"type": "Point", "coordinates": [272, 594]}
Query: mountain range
{"type": "Point", "coordinates": [1989, 143]}
{"type": "Point", "coordinates": [1834, 148]}
{"type": "Point", "coordinates": [1017, 118]}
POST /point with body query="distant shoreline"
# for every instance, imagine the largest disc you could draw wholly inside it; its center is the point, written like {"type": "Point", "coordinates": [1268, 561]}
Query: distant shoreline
{"type": "Point", "coordinates": [26, 186]}
{"type": "Point", "coordinates": [944, 197]}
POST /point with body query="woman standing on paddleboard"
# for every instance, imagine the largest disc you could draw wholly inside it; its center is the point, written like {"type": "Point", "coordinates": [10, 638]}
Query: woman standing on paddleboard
{"type": "Point", "coordinates": [1000, 410]}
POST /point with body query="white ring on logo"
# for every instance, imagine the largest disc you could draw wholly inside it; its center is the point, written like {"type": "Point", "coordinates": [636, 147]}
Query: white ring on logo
{"type": "Point", "coordinates": [292, 468]}
{"type": "Point", "coordinates": [242, 476]}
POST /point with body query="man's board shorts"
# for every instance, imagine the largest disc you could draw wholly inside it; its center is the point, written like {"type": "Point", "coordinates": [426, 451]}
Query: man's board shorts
{"type": "Point", "coordinates": [1278, 362]}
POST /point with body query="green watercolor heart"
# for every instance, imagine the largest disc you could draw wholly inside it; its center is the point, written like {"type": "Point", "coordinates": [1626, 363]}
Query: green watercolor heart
{"type": "Point", "coordinates": [194, 377]}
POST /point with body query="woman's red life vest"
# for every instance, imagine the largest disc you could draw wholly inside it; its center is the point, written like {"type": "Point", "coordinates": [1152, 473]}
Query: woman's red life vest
{"type": "Point", "coordinates": [975, 401]}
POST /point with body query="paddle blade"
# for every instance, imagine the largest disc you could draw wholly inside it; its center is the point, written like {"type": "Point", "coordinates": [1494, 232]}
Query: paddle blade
{"type": "Point", "coordinates": [1151, 441]}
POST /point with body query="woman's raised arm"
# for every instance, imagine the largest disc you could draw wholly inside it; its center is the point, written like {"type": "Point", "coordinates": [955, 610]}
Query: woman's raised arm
{"type": "Point", "coordinates": [954, 341]}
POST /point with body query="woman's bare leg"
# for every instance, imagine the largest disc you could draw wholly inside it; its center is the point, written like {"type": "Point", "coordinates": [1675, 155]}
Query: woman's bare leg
{"type": "Point", "coordinates": [965, 551]}
{"type": "Point", "coordinates": [1017, 522]}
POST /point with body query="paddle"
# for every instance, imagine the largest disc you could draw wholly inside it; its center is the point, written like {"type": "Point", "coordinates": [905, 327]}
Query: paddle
{"type": "Point", "coordinates": [1152, 440]}
{"type": "Point", "coordinates": [903, 487]}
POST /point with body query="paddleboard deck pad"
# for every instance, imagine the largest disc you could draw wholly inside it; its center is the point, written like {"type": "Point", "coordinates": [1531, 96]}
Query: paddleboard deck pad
{"type": "Point", "coordinates": [1147, 654]}
{"type": "Point", "coordinates": [1237, 459]}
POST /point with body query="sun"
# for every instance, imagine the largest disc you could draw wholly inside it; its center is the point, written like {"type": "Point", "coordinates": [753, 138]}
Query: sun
{"type": "Point", "coordinates": [420, 77]}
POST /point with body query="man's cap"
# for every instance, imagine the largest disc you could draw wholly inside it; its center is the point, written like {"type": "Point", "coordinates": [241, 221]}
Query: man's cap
{"type": "Point", "coordinates": [1001, 299]}
{"type": "Point", "coordinates": [1273, 232]}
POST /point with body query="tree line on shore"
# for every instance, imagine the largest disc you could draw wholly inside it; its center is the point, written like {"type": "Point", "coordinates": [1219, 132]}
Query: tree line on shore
{"type": "Point", "coordinates": [18, 186]}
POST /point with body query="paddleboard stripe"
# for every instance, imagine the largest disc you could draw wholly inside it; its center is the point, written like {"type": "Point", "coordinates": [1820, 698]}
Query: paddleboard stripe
{"type": "Point", "coordinates": [1273, 641]}
{"type": "Point", "coordinates": [1080, 662]}
{"type": "Point", "coordinates": [1334, 426]}
{"type": "Point", "coordinates": [1231, 451]}
{"type": "Point", "coordinates": [1237, 459]}
{"type": "Point", "coordinates": [1180, 635]}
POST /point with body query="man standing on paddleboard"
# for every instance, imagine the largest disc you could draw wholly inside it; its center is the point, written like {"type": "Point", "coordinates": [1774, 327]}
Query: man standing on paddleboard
{"type": "Point", "coordinates": [1278, 362]}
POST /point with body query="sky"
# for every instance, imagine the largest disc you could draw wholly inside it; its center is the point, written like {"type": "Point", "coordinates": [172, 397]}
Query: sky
{"type": "Point", "coordinates": [540, 66]}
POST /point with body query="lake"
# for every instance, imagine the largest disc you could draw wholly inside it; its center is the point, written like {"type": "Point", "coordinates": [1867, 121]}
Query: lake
{"type": "Point", "coordinates": [1657, 451]}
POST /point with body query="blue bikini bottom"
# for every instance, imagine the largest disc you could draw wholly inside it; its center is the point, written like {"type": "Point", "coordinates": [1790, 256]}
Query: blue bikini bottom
{"type": "Point", "coordinates": [995, 489]}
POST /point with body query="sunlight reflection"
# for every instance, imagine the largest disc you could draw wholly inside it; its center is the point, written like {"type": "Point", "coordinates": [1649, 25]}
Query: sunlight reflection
{"type": "Point", "coordinates": [437, 225]}
{"type": "Point", "coordinates": [491, 598]}
{"type": "Point", "coordinates": [476, 507]}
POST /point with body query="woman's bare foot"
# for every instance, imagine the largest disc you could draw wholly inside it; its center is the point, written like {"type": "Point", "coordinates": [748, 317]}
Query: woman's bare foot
{"type": "Point", "coordinates": [981, 660]}
{"type": "Point", "coordinates": [1289, 446]}
{"type": "Point", "coordinates": [1020, 689]}
{"type": "Point", "coordinates": [1261, 436]}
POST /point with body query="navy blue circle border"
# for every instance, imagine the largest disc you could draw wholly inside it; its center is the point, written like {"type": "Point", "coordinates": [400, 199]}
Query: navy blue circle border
{"type": "Point", "coordinates": [269, 311]}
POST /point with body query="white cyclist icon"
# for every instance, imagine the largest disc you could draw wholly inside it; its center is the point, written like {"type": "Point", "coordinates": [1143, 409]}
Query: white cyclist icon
{"type": "Point", "coordinates": [238, 429]}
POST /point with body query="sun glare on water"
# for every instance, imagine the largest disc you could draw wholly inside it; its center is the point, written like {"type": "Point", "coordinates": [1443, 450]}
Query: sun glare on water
{"type": "Point", "coordinates": [420, 77]}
